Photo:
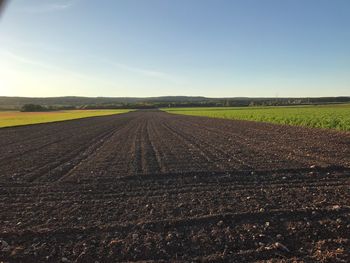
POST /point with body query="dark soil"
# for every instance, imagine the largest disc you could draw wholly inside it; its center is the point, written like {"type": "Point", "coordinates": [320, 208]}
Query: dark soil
{"type": "Point", "coordinates": [151, 186]}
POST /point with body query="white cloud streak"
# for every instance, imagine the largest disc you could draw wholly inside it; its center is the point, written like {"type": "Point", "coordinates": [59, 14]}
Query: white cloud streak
{"type": "Point", "coordinates": [149, 73]}
{"type": "Point", "coordinates": [49, 7]}
{"type": "Point", "coordinates": [44, 65]}
{"type": "Point", "coordinates": [141, 71]}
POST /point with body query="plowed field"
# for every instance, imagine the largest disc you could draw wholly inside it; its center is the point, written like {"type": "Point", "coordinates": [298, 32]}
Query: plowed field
{"type": "Point", "coordinates": [153, 186]}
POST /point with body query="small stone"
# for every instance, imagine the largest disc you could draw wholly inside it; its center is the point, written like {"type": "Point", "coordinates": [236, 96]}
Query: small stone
{"type": "Point", "coordinates": [65, 260]}
{"type": "Point", "coordinates": [220, 223]}
{"type": "Point", "coordinates": [281, 246]}
{"type": "Point", "coordinates": [4, 246]}
{"type": "Point", "coordinates": [313, 166]}
{"type": "Point", "coordinates": [114, 242]}
{"type": "Point", "coordinates": [336, 207]}
{"type": "Point", "coordinates": [17, 250]}
{"type": "Point", "coordinates": [169, 237]}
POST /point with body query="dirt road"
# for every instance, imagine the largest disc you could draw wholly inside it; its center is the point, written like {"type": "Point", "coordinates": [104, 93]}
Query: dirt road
{"type": "Point", "coordinates": [154, 186]}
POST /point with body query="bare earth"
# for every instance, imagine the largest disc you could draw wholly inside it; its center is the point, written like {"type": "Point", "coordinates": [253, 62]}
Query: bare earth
{"type": "Point", "coordinates": [151, 186]}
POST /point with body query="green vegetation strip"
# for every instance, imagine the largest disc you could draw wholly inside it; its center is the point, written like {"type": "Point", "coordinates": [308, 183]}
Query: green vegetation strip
{"type": "Point", "coordinates": [16, 118]}
{"type": "Point", "coordinates": [324, 116]}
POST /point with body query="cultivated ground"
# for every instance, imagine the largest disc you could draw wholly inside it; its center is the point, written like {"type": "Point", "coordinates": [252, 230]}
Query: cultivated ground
{"type": "Point", "coordinates": [146, 186]}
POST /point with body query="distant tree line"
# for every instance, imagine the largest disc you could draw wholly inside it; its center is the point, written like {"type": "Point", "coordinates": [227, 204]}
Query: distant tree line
{"type": "Point", "coordinates": [41, 108]}
{"type": "Point", "coordinates": [125, 102]}
{"type": "Point", "coordinates": [187, 102]}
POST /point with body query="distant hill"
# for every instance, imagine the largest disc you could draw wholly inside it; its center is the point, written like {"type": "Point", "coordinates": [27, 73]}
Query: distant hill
{"type": "Point", "coordinates": [164, 101]}
{"type": "Point", "coordinates": [18, 102]}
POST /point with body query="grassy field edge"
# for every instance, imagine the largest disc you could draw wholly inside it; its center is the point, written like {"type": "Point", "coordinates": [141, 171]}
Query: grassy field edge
{"type": "Point", "coordinates": [16, 118]}
{"type": "Point", "coordinates": [323, 116]}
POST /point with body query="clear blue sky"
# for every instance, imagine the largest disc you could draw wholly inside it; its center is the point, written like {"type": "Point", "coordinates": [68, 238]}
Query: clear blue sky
{"type": "Point", "coordinates": [175, 47]}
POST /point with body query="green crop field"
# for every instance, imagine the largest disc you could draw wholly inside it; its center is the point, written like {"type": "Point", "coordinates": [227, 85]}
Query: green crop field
{"type": "Point", "coordinates": [16, 118]}
{"type": "Point", "coordinates": [324, 116]}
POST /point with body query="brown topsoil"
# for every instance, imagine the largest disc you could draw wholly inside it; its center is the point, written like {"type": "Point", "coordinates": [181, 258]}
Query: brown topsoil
{"type": "Point", "coordinates": [155, 187]}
